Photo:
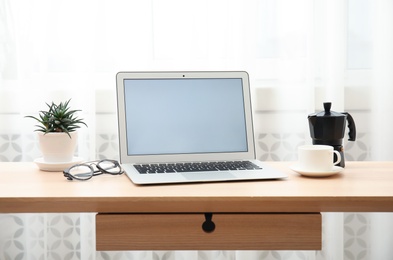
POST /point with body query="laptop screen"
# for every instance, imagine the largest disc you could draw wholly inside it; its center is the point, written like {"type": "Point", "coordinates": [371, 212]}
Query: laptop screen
{"type": "Point", "coordinates": [184, 116]}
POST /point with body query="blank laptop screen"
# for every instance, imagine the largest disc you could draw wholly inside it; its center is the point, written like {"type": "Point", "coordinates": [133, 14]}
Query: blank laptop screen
{"type": "Point", "coordinates": [184, 116]}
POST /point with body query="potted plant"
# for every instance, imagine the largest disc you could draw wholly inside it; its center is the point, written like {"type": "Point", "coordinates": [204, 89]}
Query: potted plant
{"type": "Point", "coordinates": [57, 133]}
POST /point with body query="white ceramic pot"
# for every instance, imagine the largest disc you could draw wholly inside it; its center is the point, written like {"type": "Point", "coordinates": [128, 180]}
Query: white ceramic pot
{"type": "Point", "coordinates": [57, 147]}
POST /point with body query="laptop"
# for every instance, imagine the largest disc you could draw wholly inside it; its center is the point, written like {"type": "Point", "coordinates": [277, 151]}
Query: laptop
{"type": "Point", "coordinates": [180, 127]}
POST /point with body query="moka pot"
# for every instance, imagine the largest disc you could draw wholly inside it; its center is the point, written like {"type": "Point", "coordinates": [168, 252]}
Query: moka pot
{"type": "Point", "coordinates": [328, 128]}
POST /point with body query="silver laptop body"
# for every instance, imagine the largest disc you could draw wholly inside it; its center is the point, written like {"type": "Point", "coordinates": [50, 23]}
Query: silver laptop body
{"type": "Point", "coordinates": [168, 118]}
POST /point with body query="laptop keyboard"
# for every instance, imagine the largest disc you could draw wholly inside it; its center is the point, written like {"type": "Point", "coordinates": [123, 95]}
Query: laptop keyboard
{"type": "Point", "coordinates": [195, 167]}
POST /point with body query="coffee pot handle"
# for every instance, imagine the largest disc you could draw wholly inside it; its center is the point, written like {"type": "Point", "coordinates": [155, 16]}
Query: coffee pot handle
{"type": "Point", "coordinates": [351, 126]}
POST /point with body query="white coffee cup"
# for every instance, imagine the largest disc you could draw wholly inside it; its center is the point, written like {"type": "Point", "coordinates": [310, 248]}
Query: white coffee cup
{"type": "Point", "coordinates": [317, 158]}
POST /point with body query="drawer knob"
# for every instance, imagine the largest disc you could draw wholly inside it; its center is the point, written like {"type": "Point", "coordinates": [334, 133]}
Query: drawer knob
{"type": "Point", "coordinates": [208, 226]}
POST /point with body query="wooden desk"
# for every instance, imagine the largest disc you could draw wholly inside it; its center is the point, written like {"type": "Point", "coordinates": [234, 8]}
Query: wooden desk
{"type": "Point", "coordinates": [281, 214]}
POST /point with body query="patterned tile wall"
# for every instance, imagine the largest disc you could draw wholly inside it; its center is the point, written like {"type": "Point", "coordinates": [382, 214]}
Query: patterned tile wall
{"type": "Point", "coordinates": [269, 147]}
{"type": "Point", "coordinates": [283, 146]}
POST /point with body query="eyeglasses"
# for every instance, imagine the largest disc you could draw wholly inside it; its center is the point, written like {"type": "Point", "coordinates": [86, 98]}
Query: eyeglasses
{"type": "Point", "coordinates": [85, 171]}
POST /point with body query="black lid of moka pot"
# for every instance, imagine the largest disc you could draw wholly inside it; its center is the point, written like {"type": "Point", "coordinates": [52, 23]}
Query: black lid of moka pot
{"type": "Point", "coordinates": [328, 113]}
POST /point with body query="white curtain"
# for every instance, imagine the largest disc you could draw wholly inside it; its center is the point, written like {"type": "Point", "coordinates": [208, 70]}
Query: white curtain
{"type": "Point", "coordinates": [298, 54]}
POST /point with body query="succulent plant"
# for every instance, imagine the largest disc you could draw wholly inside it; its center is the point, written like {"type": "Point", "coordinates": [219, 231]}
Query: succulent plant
{"type": "Point", "coordinates": [58, 118]}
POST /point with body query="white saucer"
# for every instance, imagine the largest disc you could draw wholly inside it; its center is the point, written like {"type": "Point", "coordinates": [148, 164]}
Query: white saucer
{"type": "Point", "coordinates": [335, 170]}
{"type": "Point", "coordinates": [56, 167]}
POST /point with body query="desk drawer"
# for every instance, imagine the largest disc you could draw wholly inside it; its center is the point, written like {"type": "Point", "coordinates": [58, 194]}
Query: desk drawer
{"type": "Point", "coordinates": [229, 232]}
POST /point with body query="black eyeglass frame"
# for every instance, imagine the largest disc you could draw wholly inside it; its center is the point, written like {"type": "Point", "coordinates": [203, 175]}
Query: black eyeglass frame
{"type": "Point", "coordinates": [93, 172]}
